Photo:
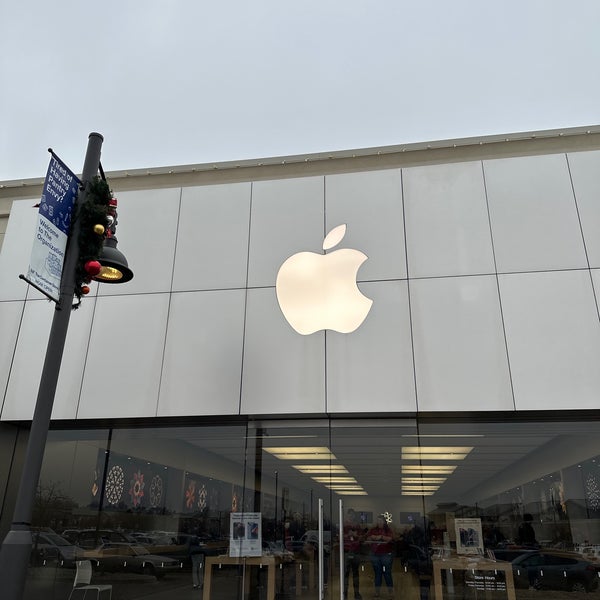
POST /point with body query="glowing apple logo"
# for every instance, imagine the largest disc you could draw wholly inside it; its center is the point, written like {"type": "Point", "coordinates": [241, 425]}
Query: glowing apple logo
{"type": "Point", "coordinates": [319, 291]}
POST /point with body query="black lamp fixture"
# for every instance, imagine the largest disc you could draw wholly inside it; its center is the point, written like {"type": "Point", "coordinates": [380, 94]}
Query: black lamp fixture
{"type": "Point", "coordinates": [114, 267]}
{"type": "Point", "coordinates": [113, 264]}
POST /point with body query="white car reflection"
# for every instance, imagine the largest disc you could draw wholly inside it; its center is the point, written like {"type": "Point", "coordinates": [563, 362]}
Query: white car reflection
{"type": "Point", "coordinates": [116, 557]}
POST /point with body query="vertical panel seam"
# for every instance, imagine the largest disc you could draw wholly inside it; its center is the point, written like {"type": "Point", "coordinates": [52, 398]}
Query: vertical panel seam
{"type": "Point", "coordinates": [245, 310]}
{"type": "Point", "coordinates": [14, 352]}
{"type": "Point", "coordinates": [164, 348]}
{"type": "Point", "coordinates": [85, 358]}
{"type": "Point", "coordinates": [410, 318]}
{"type": "Point", "coordinates": [487, 204]}
{"type": "Point", "coordinates": [587, 258]}
{"type": "Point", "coordinates": [325, 378]}
{"type": "Point", "coordinates": [10, 472]}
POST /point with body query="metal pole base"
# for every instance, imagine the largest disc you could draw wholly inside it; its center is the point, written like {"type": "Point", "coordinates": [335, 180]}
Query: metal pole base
{"type": "Point", "coordinates": [14, 560]}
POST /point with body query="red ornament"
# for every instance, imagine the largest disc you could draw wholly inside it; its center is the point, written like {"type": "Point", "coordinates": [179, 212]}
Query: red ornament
{"type": "Point", "coordinates": [92, 267]}
{"type": "Point", "coordinates": [85, 289]}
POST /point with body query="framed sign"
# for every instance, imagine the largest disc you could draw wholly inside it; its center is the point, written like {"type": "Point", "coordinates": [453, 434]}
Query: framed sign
{"type": "Point", "coordinates": [477, 576]}
{"type": "Point", "coordinates": [469, 539]}
{"type": "Point", "coordinates": [245, 534]}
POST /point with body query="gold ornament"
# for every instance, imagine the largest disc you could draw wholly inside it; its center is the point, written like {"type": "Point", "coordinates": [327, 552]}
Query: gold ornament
{"type": "Point", "coordinates": [99, 229]}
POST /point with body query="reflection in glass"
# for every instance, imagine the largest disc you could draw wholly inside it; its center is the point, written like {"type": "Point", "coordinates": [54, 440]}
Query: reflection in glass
{"type": "Point", "coordinates": [520, 508]}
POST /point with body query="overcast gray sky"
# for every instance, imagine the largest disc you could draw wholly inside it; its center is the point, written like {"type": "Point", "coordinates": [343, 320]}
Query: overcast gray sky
{"type": "Point", "coordinates": [180, 81]}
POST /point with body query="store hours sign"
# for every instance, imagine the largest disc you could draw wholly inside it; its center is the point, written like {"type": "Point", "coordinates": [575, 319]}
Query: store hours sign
{"type": "Point", "coordinates": [52, 232]}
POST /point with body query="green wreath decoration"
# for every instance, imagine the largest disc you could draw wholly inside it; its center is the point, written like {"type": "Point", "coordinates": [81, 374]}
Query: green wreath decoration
{"type": "Point", "coordinates": [94, 211]}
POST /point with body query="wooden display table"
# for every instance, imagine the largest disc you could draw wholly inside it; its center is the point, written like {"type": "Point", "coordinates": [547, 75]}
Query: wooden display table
{"type": "Point", "coordinates": [465, 563]}
{"type": "Point", "coordinates": [269, 561]}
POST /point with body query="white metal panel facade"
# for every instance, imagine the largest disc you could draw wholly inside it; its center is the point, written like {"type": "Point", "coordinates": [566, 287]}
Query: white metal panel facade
{"type": "Point", "coordinates": [483, 297]}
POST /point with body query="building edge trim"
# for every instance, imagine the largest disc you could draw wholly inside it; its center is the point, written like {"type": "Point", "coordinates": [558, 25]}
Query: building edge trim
{"type": "Point", "coordinates": [391, 418]}
{"type": "Point", "coordinates": [551, 141]}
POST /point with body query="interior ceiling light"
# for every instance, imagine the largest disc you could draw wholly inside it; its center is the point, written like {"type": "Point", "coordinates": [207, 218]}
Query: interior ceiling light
{"type": "Point", "coordinates": [321, 468]}
{"type": "Point", "coordinates": [428, 469]}
{"type": "Point", "coordinates": [356, 493]}
{"type": "Point", "coordinates": [326, 479]}
{"type": "Point", "coordinates": [435, 452]}
{"type": "Point", "coordinates": [442, 435]}
{"type": "Point", "coordinates": [418, 493]}
{"type": "Point", "coordinates": [344, 486]}
{"type": "Point", "coordinates": [315, 456]}
{"type": "Point", "coordinates": [296, 449]}
{"type": "Point", "coordinates": [423, 479]}
{"type": "Point", "coordinates": [438, 449]}
{"type": "Point", "coordinates": [270, 436]}
{"type": "Point", "coordinates": [416, 488]}
{"type": "Point", "coordinates": [301, 452]}
{"type": "Point", "coordinates": [418, 456]}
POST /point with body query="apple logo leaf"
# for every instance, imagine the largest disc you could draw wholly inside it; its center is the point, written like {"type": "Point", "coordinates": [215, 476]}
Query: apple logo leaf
{"type": "Point", "coordinates": [334, 237]}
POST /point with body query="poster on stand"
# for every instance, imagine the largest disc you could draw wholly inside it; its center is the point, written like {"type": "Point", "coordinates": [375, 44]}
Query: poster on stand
{"type": "Point", "coordinates": [245, 537]}
{"type": "Point", "coordinates": [469, 538]}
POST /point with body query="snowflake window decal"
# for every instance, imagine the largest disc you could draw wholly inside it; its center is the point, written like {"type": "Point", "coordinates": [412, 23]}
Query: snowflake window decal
{"type": "Point", "coordinates": [115, 483]}
{"type": "Point", "coordinates": [95, 487]}
{"type": "Point", "coordinates": [190, 494]}
{"type": "Point", "coordinates": [136, 491]}
{"type": "Point", "coordinates": [202, 494]}
{"type": "Point", "coordinates": [156, 491]}
{"type": "Point", "coordinates": [592, 491]}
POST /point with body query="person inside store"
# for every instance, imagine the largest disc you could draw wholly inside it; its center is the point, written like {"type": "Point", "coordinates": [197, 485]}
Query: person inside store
{"type": "Point", "coordinates": [526, 537]}
{"type": "Point", "coordinates": [352, 541]}
{"type": "Point", "coordinates": [526, 534]}
{"type": "Point", "coordinates": [381, 541]}
{"type": "Point", "coordinates": [197, 558]}
{"type": "Point", "coordinates": [415, 551]}
{"type": "Point", "coordinates": [294, 532]}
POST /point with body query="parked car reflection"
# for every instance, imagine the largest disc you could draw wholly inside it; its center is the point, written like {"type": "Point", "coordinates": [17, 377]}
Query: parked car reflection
{"type": "Point", "coordinates": [130, 558]}
{"type": "Point", "coordinates": [553, 570]}
{"type": "Point", "coordinates": [181, 545]}
{"type": "Point", "coordinates": [91, 538]}
{"type": "Point", "coordinates": [49, 546]}
{"type": "Point", "coordinates": [277, 549]}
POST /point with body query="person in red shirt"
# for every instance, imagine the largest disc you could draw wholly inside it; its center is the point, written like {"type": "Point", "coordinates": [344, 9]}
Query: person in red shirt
{"type": "Point", "coordinates": [352, 540]}
{"type": "Point", "coordinates": [381, 539]}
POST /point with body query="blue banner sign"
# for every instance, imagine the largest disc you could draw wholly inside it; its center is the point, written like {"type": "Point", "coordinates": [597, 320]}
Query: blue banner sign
{"type": "Point", "coordinates": [54, 223]}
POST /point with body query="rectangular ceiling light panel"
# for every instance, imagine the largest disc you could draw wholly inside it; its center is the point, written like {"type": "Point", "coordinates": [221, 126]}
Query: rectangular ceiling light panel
{"type": "Point", "coordinates": [428, 469]}
{"type": "Point", "coordinates": [301, 452]}
{"type": "Point", "coordinates": [321, 469]}
{"type": "Point", "coordinates": [334, 479]}
{"type": "Point", "coordinates": [438, 480]}
{"type": "Point", "coordinates": [417, 456]}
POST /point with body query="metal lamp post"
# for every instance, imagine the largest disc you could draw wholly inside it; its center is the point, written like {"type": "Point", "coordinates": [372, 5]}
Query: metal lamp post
{"type": "Point", "coordinates": [16, 547]}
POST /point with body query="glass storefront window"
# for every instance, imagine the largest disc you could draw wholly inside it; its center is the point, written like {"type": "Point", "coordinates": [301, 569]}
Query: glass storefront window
{"type": "Point", "coordinates": [518, 514]}
{"type": "Point", "coordinates": [145, 506]}
{"type": "Point", "coordinates": [397, 507]}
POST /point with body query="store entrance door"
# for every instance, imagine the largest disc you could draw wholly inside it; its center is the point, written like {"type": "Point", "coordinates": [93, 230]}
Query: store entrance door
{"type": "Point", "coordinates": [341, 504]}
{"type": "Point", "coordinates": [289, 467]}
{"type": "Point", "coordinates": [377, 498]}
